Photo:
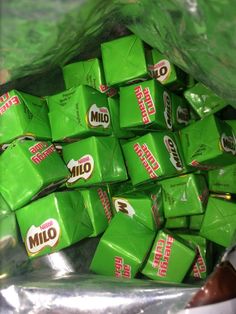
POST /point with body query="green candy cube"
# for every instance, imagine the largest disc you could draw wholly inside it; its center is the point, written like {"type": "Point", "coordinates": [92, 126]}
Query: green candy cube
{"type": "Point", "coordinates": [185, 195]}
{"type": "Point", "coordinates": [122, 248]}
{"type": "Point", "coordinates": [93, 161]}
{"type": "Point", "coordinates": [170, 259]}
{"type": "Point", "coordinates": [78, 112]}
{"type": "Point", "coordinates": [164, 71]}
{"type": "Point", "coordinates": [223, 180]}
{"type": "Point", "coordinates": [124, 60]}
{"type": "Point", "coordinates": [89, 72]}
{"type": "Point", "coordinates": [153, 156]}
{"type": "Point", "coordinates": [208, 144]}
{"type": "Point", "coordinates": [29, 169]}
{"type": "Point", "coordinates": [219, 223]}
{"type": "Point", "coordinates": [53, 222]}
{"type": "Point", "coordinates": [196, 222]}
{"type": "Point", "coordinates": [144, 206]}
{"type": "Point", "coordinates": [23, 115]}
{"type": "Point", "coordinates": [203, 100]}
{"type": "Point", "coordinates": [97, 203]}
{"type": "Point", "coordinates": [177, 222]}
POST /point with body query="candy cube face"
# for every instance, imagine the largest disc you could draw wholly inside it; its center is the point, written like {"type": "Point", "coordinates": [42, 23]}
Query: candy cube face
{"type": "Point", "coordinates": [219, 223]}
{"type": "Point", "coordinates": [184, 195]}
{"type": "Point", "coordinates": [164, 71]}
{"type": "Point", "coordinates": [202, 265]}
{"type": "Point", "coordinates": [152, 156]}
{"type": "Point", "coordinates": [208, 144]}
{"type": "Point", "coordinates": [26, 114]}
{"type": "Point", "coordinates": [78, 112]}
{"type": "Point", "coordinates": [28, 169]}
{"type": "Point", "coordinates": [128, 60]}
{"type": "Point", "coordinates": [203, 100]}
{"type": "Point", "coordinates": [223, 179]}
{"type": "Point", "coordinates": [170, 258]}
{"type": "Point", "coordinates": [53, 222]}
{"type": "Point", "coordinates": [143, 206]}
{"type": "Point", "coordinates": [97, 203]}
{"type": "Point", "coordinates": [123, 248]}
{"type": "Point", "coordinates": [144, 105]}
{"type": "Point", "coordinates": [114, 109]}
{"type": "Point", "coordinates": [196, 222]}
{"type": "Point", "coordinates": [177, 222]}
{"type": "Point", "coordinates": [93, 161]}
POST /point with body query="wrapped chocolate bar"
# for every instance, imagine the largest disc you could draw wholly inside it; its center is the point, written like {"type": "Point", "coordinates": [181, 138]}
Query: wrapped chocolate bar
{"type": "Point", "coordinates": [88, 72]}
{"type": "Point", "coordinates": [164, 71]}
{"type": "Point", "coordinates": [126, 53]}
{"type": "Point", "coordinates": [114, 109]}
{"type": "Point", "coordinates": [219, 223]}
{"type": "Point", "coordinates": [97, 203]}
{"type": "Point", "coordinates": [184, 195]}
{"type": "Point", "coordinates": [144, 206]}
{"type": "Point", "coordinates": [208, 144]}
{"type": "Point", "coordinates": [94, 160]}
{"type": "Point", "coordinates": [177, 222]}
{"type": "Point", "coordinates": [152, 156]}
{"type": "Point", "coordinates": [203, 263]}
{"type": "Point", "coordinates": [27, 116]}
{"type": "Point", "coordinates": [122, 248]}
{"type": "Point", "coordinates": [223, 179]}
{"type": "Point", "coordinates": [29, 169]}
{"type": "Point", "coordinates": [78, 112]}
{"type": "Point", "coordinates": [170, 258]}
{"type": "Point", "coordinates": [54, 222]}
{"type": "Point", "coordinates": [203, 100]}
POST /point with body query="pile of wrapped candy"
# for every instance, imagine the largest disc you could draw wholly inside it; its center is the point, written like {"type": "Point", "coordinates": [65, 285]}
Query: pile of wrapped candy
{"type": "Point", "coordinates": [135, 151]}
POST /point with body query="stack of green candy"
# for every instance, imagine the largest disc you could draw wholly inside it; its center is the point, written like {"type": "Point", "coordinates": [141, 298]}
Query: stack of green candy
{"type": "Point", "coordinates": [140, 149]}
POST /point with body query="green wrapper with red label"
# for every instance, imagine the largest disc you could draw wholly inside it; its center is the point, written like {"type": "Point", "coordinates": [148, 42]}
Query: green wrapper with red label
{"type": "Point", "coordinates": [90, 73]}
{"type": "Point", "coordinates": [114, 109]}
{"type": "Point", "coordinates": [93, 161]}
{"type": "Point", "coordinates": [126, 53]}
{"type": "Point", "coordinates": [78, 112]}
{"type": "Point", "coordinates": [184, 195]}
{"type": "Point", "coordinates": [219, 223]}
{"type": "Point", "coordinates": [97, 203]}
{"type": "Point", "coordinates": [202, 265]}
{"type": "Point", "coordinates": [23, 115]}
{"type": "Point", "coordinates": [29, 169]}
{"type": "Point", "coordinates": [153, 156]}
{"type": "Point", "coordinates": [151, 106]}
{"type": "Point", "coordinates": [196, 222]}
{"type": "Point", "coordinates": [177, 222]}
{"type": "Point", "coordinates": [170, 259]}
{"type": "Point", "coordinates": [53, 222]}
{"type": "Point", "coordinates": [208, 144]}
{"type": "Point", "coordinates": [223, 179]}
{"type": "Point", "coordinates": [122, 248]}
{"type": "Point", "coordinates": [164, 71]}
{"type": "Point", "coordinates": [143, 206]}
{"type": "Point", "coordinates": [203, 100]}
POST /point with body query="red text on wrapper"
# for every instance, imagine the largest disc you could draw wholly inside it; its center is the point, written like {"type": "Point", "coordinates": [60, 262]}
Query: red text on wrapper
{"type": "Point", "coordinates": [105, 203]}
{"type": "Point", "coordinates": [199, 266]}
{"type": "Point", "coordinates": [4, 97]}
{"type": "Point", "coordinates": [162, 255]}
{"type": "Point", "coordinates": [40, 156]}
{"type": "Point", "coordinates": [14, 100]}
{"type": "Point", "coordinates": [122, 270]}
{"type": "Point", "coordinates": [145, 102]}
{"type": "Point", "coordinates": [147, 158]}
